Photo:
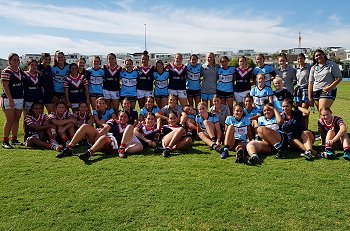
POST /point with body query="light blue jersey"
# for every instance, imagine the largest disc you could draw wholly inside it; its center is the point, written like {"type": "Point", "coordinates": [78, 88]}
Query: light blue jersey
{"type": "Point", "coordinates": [161, 84]}
{"type": "Point", "coordinates": [211, 117]}
{"type": "Point", "coordinates": [267, 71]}
{"type": "Point", "coordinates": [96, 81]}
{"type": "Point", "coordinates": [59, 75]}
{"type": "Point", "coordinates": [225, 79]}
{"type": "Point", "coordinates": [241, 127]}
{"type": "Point", "coordinates": [271, 123]}
{"type": "Point", "coordinates": [260, 95]}
{"type": "Point", "coordinates": [129, 81]}
{"type": "Point", "coordinates": [193, 77]}
{"type": "Point", "coordinates": [144, 111]}
{"type": "Point", "coordinates": [253, 112]}
{"type": "Point", "coordinates": [106, 116]}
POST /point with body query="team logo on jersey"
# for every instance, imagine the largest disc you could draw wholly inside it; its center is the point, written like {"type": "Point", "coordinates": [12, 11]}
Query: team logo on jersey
{"type": "Point", "coordinates": [76, 82]}
{"type": "Point", "coordinates": [178, 70]}
{"type": "Point", "coordinates": [33, 78]}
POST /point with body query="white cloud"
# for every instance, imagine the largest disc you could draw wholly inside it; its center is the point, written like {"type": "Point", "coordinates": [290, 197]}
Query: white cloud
{"type": "Point", "coordinates": [169, 29]}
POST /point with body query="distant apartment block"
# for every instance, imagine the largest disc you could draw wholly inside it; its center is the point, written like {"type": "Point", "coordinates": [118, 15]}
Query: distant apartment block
{"type": "Point", "coordinates": [246, 52]}
{"type": "Point", "coordinates": [299, 50]}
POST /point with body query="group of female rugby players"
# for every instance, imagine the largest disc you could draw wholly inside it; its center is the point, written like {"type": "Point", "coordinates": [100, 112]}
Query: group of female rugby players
{"type": "Point", "coordinates": [246, 115]}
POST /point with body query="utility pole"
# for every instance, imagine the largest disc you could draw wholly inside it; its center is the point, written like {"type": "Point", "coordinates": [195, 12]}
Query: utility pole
{"type": "Point", "coordinates": [145, 37]}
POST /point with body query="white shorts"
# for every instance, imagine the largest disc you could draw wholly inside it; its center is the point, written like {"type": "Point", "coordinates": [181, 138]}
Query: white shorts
{"type": "Point", "coordinates": [179, 93]}
{"type": "Point", "coordinates": [19, 103]}
{"type": "Point", "coordinates": [144, 94]}
{"type": "Point", "coordinates": [134, 140]}
{"type": "Point", "coordinates": [27, 105]}
{"type": "Point", "coordinates": [239, 96]}
{"type": "Point", "coordinates": [111, 94]}
{"type": "Point", "coordinates": [114, 142]}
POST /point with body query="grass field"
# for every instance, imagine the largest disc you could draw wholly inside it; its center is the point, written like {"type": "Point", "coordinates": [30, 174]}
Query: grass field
{"type": "Point", "coordinates": [194, 190]}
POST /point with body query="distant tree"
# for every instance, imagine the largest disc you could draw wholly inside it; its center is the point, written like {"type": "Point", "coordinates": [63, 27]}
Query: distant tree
{"type": "Point", "coordinates": [275, 55]}
{"type": "Point", "coordinates": [336, 60]}
{"type": "Point", "coordinates": [234, 62]}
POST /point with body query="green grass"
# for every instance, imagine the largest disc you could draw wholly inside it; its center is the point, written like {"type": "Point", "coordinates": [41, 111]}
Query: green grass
{"type": "Point", "coordinates": [194, 190]}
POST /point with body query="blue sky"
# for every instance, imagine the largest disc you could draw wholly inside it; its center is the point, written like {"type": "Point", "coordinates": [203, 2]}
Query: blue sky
{"type": "Point", "coordinates": [100, 27]}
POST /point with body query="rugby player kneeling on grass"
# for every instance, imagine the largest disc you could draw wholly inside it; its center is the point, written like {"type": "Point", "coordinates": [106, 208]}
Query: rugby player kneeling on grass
{"type": "Point", "coordinates": [333, 134]}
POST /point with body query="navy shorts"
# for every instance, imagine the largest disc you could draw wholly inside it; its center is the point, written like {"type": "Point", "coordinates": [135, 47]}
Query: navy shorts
{"type": "Point", "coordinates": [224, 95]}
{"type": "Point", "coordinates": [301, 95]}
{"type": "Point", "coordinates": [96, 95]}
{"type": "Point", "coordinates": [320, 94]}
{"type": "Point", "coordinates": [59, 95]}
{"type": "Point", "coordinates": [193, 93]}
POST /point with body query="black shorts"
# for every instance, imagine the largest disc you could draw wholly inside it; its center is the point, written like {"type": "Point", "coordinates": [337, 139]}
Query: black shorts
{"type": "Point", "coordinates": [48, 99]}
{"type": "Point", "coordinates": [284, 139]}
{"type": "Point", "coordinates": [95, 95]}
{"type": "Point", "coordinates": [224, 94]}
{"type": "Point", "coordinates": [193, 93]}
{"type": "Point", "coordinates": [320, 94]}
{"type": "Point", "coordinates": [236, 144]}
{"type": "Point", "coordinates": [132, 99]}
{"type": "Point", "coordinates": [59, 95]}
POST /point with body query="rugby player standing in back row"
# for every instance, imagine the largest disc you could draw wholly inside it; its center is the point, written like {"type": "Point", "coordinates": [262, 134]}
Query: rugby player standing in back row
{"type": "Point", "coordinates": [177, 79]}
{"type": "Point", "coordinates": [145, 80]}
{"type": "Point", "coordinates": [209, 79]}
{"type": "Point", "coordinates": [262, 68]}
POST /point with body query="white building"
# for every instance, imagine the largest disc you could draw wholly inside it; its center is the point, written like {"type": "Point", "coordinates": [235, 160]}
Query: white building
{"type": "Point", "coordinates": [26, 57]}
{"type": "Point", "coordinates": [246, 52]}
{"type": "Point", "coordinates": [299, 50]}
{"type": "Point", "coordinates": [229, 54]}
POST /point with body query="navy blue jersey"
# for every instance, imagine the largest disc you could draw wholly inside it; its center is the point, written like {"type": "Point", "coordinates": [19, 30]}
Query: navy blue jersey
{"type": "Point", "coordinates": [59, 75]}
{"type": "Point", "coordinates": [76, 88]}
{"type": "Point", "coordinates": [30, 121]}
{"type": "Point", "coordinates": [47, 80]}
{"type": "Point", "coordinates": [111, 79]}
{"type": "Point", "coordinates": [15, 79]}
{"type": "Point", "coordinates": [242, 78]}
{"type": "Point", "coordinates": [166, 129]}
{"type": "Point", "coordinates": [150, 133]}
{"type": "Point", "coordinates": [145, 79]}
{"type": "Point", "coordinates": [32, 87]}
{"type": "Point", "coordinates": [177, 79]}
{"type": "Point", "coordinates": [83, 117]}
{"type": "Point", "coordinates": [278, 97]}
{"type": "Point", "coordinates": [133, 115]}
{"type": "Point", "coordinates": [294, 126]}
{"type": "Point", "coordinates": [117, 129]}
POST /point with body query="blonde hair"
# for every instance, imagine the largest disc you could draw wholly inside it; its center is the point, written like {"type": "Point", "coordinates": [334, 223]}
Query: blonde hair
{"type": "Point", "coordinates": [277, 79]}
